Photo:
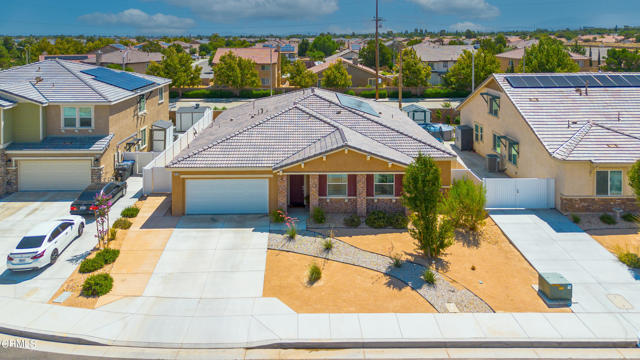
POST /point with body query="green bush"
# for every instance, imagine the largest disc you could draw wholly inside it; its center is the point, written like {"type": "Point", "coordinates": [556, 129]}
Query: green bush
{"type": "Point", "coordinates": [254, 94]}
{"type": "Point", "coordinates": [108, 256]}
{"type": "Point", "coordinates": [277, 216]}
{"type": "Point", "coordinates": [630, 259]}
{"type": "Point", "coordinates": [464, 204]}
{"type": "Point", "coordinates": [405, 94]}
{"type": "Point", "coordinates": [112, 234]}
{"type": "Point", "coordinates": [608, 219]}
{"type": "Point", "coordinates": [429, 277]}
{"type": "Point", "coordinates": [350, 92]}
{"type": "Point", "coordinates": [327, 244]}
{"type": "Point", "coordinates": [575, 218]}
{"type": "Point", "coordinates": [398, 221]}
{"type": "Point", "coordinates": [292, 232]}
{"type": "Point", "coordinates": [318, 215]}
{"type": "Point", "coordinates": [377, 219]}
{"type": "Point", "coordinates": [315, 273]}
{"type": "Point", "coordinates": [122, 223]}
{"type": "Point", "coordinates": [173, 94]}
{"type": "Point", "coordinates": [208, 93]}
{"type": "Point", "coordinates": [371, 94]}
{"type": "Point", "coordinates": [130, 212]}
{"type": "Point", "coordinates": [397, 261]}
{"type": "Point", "coordinates": [441, 92]}
{"type": "Point", "coordinates": [352, 220]}
{"type": "Point", "coordinates": [629, 217]}
{"type": "Point", "coordinates": [97, 285]}
{"type": "Point", "coordinates": [91, 265]}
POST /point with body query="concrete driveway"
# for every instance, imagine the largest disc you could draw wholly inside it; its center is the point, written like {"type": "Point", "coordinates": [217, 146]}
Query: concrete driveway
{"type": "Point", "coordinates": [19, 212]}
{"type": "Point", "coordinates": [552, 243]}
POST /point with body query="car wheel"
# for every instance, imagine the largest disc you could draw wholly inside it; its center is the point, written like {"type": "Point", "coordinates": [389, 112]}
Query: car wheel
{"type": "Point", "coordinates": [80, 229]}
{"type": "Point", "coordinates": [54, 256]}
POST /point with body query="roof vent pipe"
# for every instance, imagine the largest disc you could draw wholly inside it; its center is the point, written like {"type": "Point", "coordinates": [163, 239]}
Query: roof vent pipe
{"type": "Point", "coordinates": [586, 88]}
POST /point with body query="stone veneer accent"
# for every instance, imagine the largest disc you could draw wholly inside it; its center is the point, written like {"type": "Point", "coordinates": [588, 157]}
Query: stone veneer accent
{"type": "Point", "coordinates": [338, 205]}
{"type": "Point", "coordinates": [314, 181]}
{"type": "Point", "coordinates": [386, 205]}
{"type": "Point", "coordinates": [96, 174]}
{"type": "Point", "coordinates": [3, 172]}
{"type": "Point", "coordinates": [282, 192]}
{"type": "Point", "coordinates": [597, 204]}
{"type": "Point", "coordinates": [361, 200]}
{"type": "Point", "coordinates": [11, 182]}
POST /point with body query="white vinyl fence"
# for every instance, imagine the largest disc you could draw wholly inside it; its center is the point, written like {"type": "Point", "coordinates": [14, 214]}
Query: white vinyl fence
{"type": "Point", "coordinates": [156, 178]}
{"type": "Point", "coordinates": [141, 159]}
{"type": "Point", "coordinates": [520, 193]}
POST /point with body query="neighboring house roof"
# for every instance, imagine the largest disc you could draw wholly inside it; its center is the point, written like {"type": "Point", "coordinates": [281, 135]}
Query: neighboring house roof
{"type": "Point", "coordinates": [414, 107]}
{"type": "Point", "coordinates": [602, 127]}
{"type": "Point", "coordinates": [6, 103]}
{"type": "Point", "coordinates": [341, 54]}
{"type": "Point", "coordinates": [282, 130]}
{"type": "Point", "coordinates": [98, 143]}
{"type": "Point", "coordinates": [258, 55]}
{"type": "Point", "coordinates": [133, 56]}
{"type": "Point", "coordinates": [519, 53]}
{"type": "Point", "coordinates": [322, 67]}
{"type": "Point", "coordinates": [60, 81]}
{"type": "Point", "coordinates": [433, 53]}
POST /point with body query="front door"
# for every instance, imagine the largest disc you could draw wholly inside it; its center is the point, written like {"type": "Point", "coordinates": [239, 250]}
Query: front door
{"type": "Point", "coordinates": [296, 190]}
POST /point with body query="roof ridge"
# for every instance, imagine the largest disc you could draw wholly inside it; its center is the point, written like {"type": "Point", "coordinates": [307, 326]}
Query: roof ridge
{"type": "Point", "coordinates": [38, 91]}
{"type": "Point", "coordinates": [573, 141]}
{"type": "Point", "coordinates": [59, 62]}
{"type": "Point", "coordinates": [283, 161]}
{"type": "Point", "coordinates": [616, 130]}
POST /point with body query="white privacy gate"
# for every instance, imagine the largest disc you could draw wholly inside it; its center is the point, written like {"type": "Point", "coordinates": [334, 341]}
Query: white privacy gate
{"type": "Point", "coordinates": [520, 193]}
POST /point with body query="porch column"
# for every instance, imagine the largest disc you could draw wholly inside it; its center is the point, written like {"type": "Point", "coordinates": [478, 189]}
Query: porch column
{"type": "Point", "coordinates": [361, 194]}
{"type": "Point", "coordinates": [313, 191]}
{"type": "Point", "coordinates": [282, 192]}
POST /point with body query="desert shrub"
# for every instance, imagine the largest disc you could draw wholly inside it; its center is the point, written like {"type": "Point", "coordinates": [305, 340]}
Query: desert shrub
{"type": "Point", "coordinates": [464, 204]}
{"type": "Point", "coordinates": [292, 232]}
{"type": "Point", "coordinates": [396, 261]}
{"type": "Point", "coordinates": [91, 265]}
{"type": "Point", "coordinates": [398, 221]}
{"type": "Point", "coordinates": [318, 215]}
{"type": "Point", "coordinates": [97, 285]}
{"type": "Point", "coordinates": [327, 244]}
{"type": "Point", "coordinates": [277, 216]}
{"type": "Point", "coordinates": [377, 219]}
{"type": "Point", "coordinates": [630, 259]}
{"type": "Point", "coordinates": [107, 255]}
{"type": "Point", "coordinates": [575, 218]}
{"type": "Point", "coordinates": [608, 219]}
{"type": "Point", "coordinates": [112, 234]}
{"type": "Point", "coordinates": [314, 274]}
{"type": "Point", "coordinates": [350, 92]}
{"type": "Point", "coordinates": [352, 220]}
{"type": "Point", "coordinates": [121, 223]}
{"type": "Point", "coordinates": [428, 276]}
{"type": "Point", "coordinates": [130, 212]}
{"type": "Point", "coordinates": [629, 217]}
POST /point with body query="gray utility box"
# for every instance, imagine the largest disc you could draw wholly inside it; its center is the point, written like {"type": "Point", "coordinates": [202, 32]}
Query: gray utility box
{"type": "Point", "coordinates": [554, 286]}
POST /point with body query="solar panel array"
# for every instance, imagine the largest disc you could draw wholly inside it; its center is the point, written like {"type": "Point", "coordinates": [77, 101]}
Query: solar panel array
{"type": "Point", "coordinates": [122, 80]}
{"type": "Point", "coordinates": [357, 104]}
{"type": "Point", "coordinates": [571, 81]}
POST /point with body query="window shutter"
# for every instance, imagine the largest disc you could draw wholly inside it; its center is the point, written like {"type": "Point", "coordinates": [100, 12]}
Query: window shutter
{"type": "Point", "coordinates": [369, 185]}
{"type": "Point", "coordinates": [322, 185]}
{"type": "Point", "coordinates": [352, 185]}
{"type": "Point", "coordinates": [398, 184]}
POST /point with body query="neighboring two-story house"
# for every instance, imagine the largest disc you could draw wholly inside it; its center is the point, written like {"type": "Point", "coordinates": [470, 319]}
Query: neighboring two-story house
{"type": "Point", "coordinates": [511, 61]}
{"type": "Point", "coordinates": [64, 124]}
{"type": "Point", "coordinates": [361, 76]}
{"type": "Point", "coordinates": [440, 58]}
{"type": "Point", "coordinates": [267, 62]}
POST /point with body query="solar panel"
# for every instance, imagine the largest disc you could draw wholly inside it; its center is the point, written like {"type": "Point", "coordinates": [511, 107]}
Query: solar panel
{"type": "Point", "coordinates": [604, 80]}
{"type": "Point", "coordinates": [633, 80]}
{"type": "Point", "coordinates": [546, 81]}
{"type": "Point", "coordinates": [561, 81]}
{"type": "Point", "coordinates": [516, 81]}
{"type": "Point", "coordinates": [575, 81]}
{"type": "Point", "coordinates": [588, 79]}
{"type": "Point", "coordinates": [620, 81]}
{"type": "Point", "coordinates": [531, 81]}
{"type": "Point", "coordinates": [357, 104]}
{"type": "Point", "coordinates": [122, 80]}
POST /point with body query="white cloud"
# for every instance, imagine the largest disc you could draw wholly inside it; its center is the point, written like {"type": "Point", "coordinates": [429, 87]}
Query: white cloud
{"type": "Point", "coordinates": [140, 20]}
{"type": "Point", "coordinates": [462, 8]}
{"type": "Point", "coordinates": [229, 10]}
{"type": "Point", "coordinates": [466, 25]}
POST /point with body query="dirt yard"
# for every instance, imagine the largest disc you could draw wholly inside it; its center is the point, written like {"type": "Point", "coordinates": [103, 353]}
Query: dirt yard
{"type": "Point", "coordinates": [342, 288]}
{"type": "Point", "coordinates": [623, 236]}
{"type": "Point", "coordinates": [502, 277]}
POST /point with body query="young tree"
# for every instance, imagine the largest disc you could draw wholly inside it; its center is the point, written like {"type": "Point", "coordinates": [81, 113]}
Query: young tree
{"type": "Point", "coordinates": [421, 194]}
{"type": "Point", "coordinates": [622, 60]}
{"type": "Point", "coordinates": [459, 76]}
{"type": "Point", "coordinates": [336, 76]}
{"type": "Point", "coordinates": [325, 44]}
{"type": "Point", "coordinates": [415, 73]}
{"type": "Point", "coordinates": [368, 55]}
{"type": "Point", "coordinates": [577, 48]}
{"type": "Point", "coordinates": [464, 204]}
{"type": "Point", "coordinates": [236, 72]}
{"type": "Point", "coordinates": [303, 47]}
{"type": "Point", "coordinates": [549, 55]}
{"type": "Point", "coordinates": [315, 55]}
{"type": "Point", "coordinates": [634, 179]}
{"type": "Point", "coordinates": [301, 76]}
{"type": "Point", "coordinates": [151, 46]}
{"type": "Point", "coordinates": [177, 67]}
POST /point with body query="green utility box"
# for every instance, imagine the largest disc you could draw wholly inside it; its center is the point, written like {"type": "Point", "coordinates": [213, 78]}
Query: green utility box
{"type": "Point", "coordinates": [554, 286]}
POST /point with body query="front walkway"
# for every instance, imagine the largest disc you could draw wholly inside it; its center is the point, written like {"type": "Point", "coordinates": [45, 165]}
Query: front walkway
{"type": "Point", "coordinates": [552, 243]}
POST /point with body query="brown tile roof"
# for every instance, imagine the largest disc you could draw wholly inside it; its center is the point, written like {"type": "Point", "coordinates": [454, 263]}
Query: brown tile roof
{"type": "Point", "coordinates": [258, 55]}
{"type": "Point", "coordinates": [519, 53]}
{"type": "Point", "coordinates": [133, 57]}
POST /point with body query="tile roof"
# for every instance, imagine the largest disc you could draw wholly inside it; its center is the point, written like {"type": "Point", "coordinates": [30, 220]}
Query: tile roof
{"type": "Point", "coordinates": [133, 57]}
{"type": "Point", "coordinates": [64, 82]}
{"type": "Point", "coordinates": [519, 53]}
{"type": "Point", "coordinates": [323, 66]}
{"type": "Point", "coordinates": [285, 129]}
{"type": "Point", "coordinates": [429, 52]}
{"type": "Point", "coordinates": [260, 55]}
{"type": "Point", "coordinates": [98, 143]}
{"type": "Point", "coordinates": [603, 126]}
{"type": "Point", "coordinates": [5, 103]}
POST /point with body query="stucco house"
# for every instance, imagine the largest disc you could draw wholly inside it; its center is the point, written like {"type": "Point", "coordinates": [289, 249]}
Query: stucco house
{"type": "Point", "coordinates": [267, 62]}
{"type": "Point", "coordinates": [511, 61]}
{"type": "Point", "coordinates": [440, 58]}
{"type": "Point", "coordinates": [361, 76]}
{"type": "Point", "coordinates": [309, 148]}
{"type": "Point", "coordinates": [581, 129]}
{"type": "Point", "coordinates": [63, 123]}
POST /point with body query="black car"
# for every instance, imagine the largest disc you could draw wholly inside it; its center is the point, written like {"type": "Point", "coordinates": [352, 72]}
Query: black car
{"type": "Point", "coordinates": [85, 203]}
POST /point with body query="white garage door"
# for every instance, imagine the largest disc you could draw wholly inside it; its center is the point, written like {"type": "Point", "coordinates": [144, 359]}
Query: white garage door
{"type": "Point", "coordinates": [227, 196]}
{"type": "Point", "coordinates": [47, 175]}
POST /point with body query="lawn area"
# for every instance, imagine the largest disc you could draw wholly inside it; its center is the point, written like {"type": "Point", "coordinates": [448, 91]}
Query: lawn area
{"type": "Point", "coordinates": [342, 288]}
{"type": "Point", "coordinates": [502, 277]}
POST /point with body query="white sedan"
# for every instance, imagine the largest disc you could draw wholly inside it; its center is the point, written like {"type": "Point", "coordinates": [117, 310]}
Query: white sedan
{"type": "Point", "coordinates": [44, 243]}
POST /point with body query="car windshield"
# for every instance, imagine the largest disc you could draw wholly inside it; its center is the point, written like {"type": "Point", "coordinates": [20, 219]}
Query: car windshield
{"type": "Point", "coordinates": [88, 195]}
{"type": "Point", "coordinates": [30, 242]}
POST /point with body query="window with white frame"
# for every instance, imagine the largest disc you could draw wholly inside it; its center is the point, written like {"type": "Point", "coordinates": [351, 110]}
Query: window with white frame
{"type": "Point", "coordinates": [143, 138]}
{"type": "Point", "coordinates": [383, 185]}
{"type": "Point", "coordinates": [608, 182]}
{"type": "Point", "coordinates": [265, 81]}
{"type": "Point", "coordinates": [337, 185]}
{"type": "Point", "coordinates": [160, 95]}
{"type": "Point", "coordinates": [77, 117]}
{"type": "Point", "coordinates": [142, 104]}
{"type": "Point", "coordinates": [479, 133]}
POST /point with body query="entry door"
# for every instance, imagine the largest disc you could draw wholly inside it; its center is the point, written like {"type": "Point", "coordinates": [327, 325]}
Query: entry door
{"type": "Point", "coordinates": [296, 190]}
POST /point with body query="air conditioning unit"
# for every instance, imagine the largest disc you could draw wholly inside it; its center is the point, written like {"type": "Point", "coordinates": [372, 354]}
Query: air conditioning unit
{"type": "Point", "coordinates": [493, 162]}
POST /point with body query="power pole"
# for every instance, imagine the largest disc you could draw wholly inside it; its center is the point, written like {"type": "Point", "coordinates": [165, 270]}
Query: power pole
{"type": "Point", "coordinates": [473, 70]}
{"type": "Point", "coordinates": [400, 82]}
{"type": "Point", "coordinates": [270, 72]}
{"type": "Point", "coordinates": [377, 20]}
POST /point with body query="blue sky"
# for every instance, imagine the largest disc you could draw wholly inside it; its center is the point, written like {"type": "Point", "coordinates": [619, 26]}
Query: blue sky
{"type": "Point", "coordinates": [236, 17]}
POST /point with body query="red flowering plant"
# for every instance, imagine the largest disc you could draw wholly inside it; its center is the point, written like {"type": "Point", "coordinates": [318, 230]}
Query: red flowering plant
{"type": "Point", "coordinates": [291, 224]}
{"type": "Point", "coordinates": [101, 208]}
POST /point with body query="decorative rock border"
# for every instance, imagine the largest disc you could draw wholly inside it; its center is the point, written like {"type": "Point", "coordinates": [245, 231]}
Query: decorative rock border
{"type": "Point", "coordinates": [438, 295]}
